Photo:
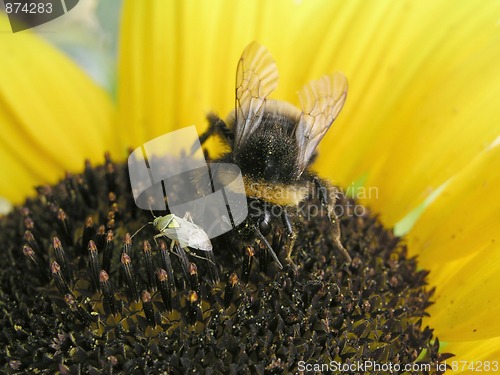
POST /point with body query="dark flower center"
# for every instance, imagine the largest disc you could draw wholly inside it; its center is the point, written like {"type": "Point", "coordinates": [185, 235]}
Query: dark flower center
{"type": "Point", "coordinates": [79, 295]}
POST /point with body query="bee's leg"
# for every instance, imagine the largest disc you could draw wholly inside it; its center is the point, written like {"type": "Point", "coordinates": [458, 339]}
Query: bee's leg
{"type": "Point", "coordinates": [220, 127]}
{"type": "Point", "coordinates": [291, 237]}
{"type": "Point", "coordinates": [268, 246]}
{"type": "Point", "coordinates": [328, 204]}
{"type": "Point", "coordinates": [215, 125]}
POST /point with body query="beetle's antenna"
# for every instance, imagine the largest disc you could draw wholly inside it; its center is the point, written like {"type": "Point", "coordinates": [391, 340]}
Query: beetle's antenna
{"type": "Point", "coordinates": [149, 222]}
{"type": "Point", "coordinates": [141, 228]}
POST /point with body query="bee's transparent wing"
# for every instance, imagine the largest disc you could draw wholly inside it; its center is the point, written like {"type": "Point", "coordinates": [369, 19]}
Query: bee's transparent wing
{"type": "Point", "coordinates": [321, 102]}
{"type": "Point", "coordinates": [256, 78]}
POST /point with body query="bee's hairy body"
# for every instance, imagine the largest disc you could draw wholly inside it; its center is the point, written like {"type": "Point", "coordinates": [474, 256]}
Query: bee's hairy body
{"type": "Point", "coordinates": [273, 143]}
{"type": "Point", "coordinates": [268, 161]}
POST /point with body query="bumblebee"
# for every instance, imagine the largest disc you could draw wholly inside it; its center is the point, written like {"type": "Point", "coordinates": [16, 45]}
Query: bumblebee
{"type": "Point", "coordinates": [273, 143]}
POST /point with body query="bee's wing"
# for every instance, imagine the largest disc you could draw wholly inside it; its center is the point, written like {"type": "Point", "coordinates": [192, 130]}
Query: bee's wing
{"type": "Point", "coordinates": [256, 78]}
{"type": "Point", "coordinates": [321, 102]}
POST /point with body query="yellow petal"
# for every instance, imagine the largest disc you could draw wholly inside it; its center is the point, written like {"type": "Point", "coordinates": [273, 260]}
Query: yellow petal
{"type": "Point", "coordinates": [173, 65]}
{"type": "Point", "coordinates": [457, 239]}
{"type": "Point", "coordinates": [464, 218]}
{"type": "Point", "coordinates": [52, 114]}
{"type": "Point", "coordinates": [424, 83]}
{"type": "Point", "coordinates": [178, 59]}
{"type": "Point", "coordinates": [473, 357]}
{"type": "Point", "coordinates": [466, 299]}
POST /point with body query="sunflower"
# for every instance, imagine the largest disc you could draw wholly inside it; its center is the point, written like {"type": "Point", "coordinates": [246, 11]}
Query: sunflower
{"type": "Point", "coordinates": [419, 131]}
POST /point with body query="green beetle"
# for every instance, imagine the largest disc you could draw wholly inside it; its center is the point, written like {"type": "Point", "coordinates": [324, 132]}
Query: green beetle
{"type": "Point", "coordinates": [182, 230]}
